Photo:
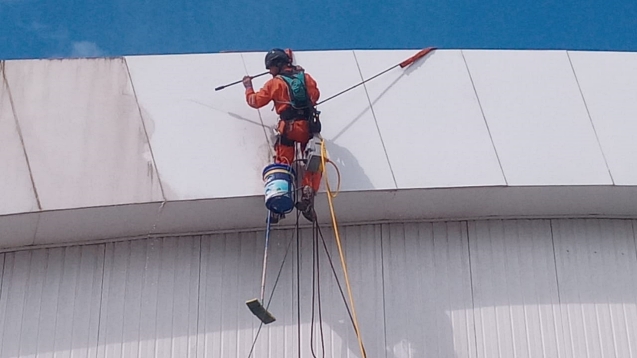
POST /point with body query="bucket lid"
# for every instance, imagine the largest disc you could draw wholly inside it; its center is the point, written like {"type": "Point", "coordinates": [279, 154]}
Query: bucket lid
{"type": "Point", "coordinates": [278, 166]}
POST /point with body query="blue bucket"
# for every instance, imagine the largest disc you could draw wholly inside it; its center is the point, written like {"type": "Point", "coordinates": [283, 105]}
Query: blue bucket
{"type": "Point", "coordinates": [279, 188]}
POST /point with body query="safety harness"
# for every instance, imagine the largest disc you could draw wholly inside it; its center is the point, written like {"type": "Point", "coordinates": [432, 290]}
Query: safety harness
{"type": "Point", "coordinates": [300, 106]}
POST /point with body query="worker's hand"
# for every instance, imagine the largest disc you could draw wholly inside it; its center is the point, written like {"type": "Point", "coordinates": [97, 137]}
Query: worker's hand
{"type": "Point", "coordinates": [247, 82]}
{"type": "Point", "coordinates": [299, 68]}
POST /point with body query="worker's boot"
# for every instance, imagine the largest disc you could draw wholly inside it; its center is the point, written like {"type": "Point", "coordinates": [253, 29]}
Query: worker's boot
{"type": "Point", "coordinates": [306, 204]}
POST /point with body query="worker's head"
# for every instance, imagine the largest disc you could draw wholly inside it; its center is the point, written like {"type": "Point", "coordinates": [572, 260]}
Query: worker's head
{"type": "Point", "coordinates": [275, 60]}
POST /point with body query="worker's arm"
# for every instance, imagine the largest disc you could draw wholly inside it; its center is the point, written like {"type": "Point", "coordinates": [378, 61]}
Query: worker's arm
{"type": "Point", "coordinates": [312, 88]}
{"type": "Point", "coordinates": [260, 98]}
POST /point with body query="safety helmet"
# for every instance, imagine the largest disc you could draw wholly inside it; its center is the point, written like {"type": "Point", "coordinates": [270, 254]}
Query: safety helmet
{"type": "Point", "coordinates": [276, 57]}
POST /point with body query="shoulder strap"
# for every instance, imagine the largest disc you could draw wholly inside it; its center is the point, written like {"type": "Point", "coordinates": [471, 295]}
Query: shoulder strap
{"type": "Point", "coordinates": [295, 80]}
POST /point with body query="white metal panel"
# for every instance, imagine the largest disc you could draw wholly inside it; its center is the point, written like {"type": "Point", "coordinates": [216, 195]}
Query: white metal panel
{"type": "Point", "coordinates": [212, 215]}
{"type": "Point", "coordinates": [427, 286]}
{"type": "Point", "coordinates": [83, 133]}
{"type": "Point", "coordinates": [150, 298]}
{"type": "Point", "coordinates": [50, 299]}
{"type": "Point", "coordinates": [18, 230]}
{"type": "Point", "coordinates": [515, 289]}
{"type": "Point", "coordinates": [207, 144]}
{"type": "Point", "coordinates": [91, 224]}
{"type": "Point", "coordinates": [597, 274]}
{"type": "Point", "coordinates": [348, 127]}
{"type": "Point", "coordinates": [537, 118]}
{"type": "Point", "coordinates": [430, 120]}
{"type": "Point", "coordinates": [204, 216]}
{"type": "Point", "coordinates": [17, 190]}
{"type": "Point", "coordinates": [608, 82]}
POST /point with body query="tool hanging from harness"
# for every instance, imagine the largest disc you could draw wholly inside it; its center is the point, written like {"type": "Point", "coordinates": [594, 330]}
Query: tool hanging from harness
{"type": "Point", "coordinates": [300, 106]}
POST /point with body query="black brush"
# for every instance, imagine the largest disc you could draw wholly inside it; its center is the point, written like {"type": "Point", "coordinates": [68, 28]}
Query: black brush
{"type": "Point", "coordinates": [258, 310]}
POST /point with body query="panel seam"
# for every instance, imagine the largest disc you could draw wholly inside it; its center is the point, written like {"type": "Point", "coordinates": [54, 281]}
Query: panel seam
{"type": "Point", "coordinates": [634, 236]}
{"type": "Point", "coordinates": [4, 262]}
{"type": "Point", "coordinates": [265, 128]}
{"type": "Point", "coordinates": [484, 118]}
{"type": "Point", "coordinates": [382, 270]}
{"type": "Point", "coordinates": [141, 117]}
{"type": "Point", "coordinates": [635, 246]}
{"type": "Point", "coordinates": [473, 300]}
{"type": "Point", "coordinates": [590, 118]}
{"type": "Point", "coordinates": [141, 295]}
{"type": "Point", "coordinates": [99, 315]}
{"type": "Point", "coordinates": [199, 298]}
{"type": "Point", "coordinates": [557, 284]}
{"type": "Point", "coordinates": [128, 246]}
{"type": "Point", "coordinates": [371, 108]}
{"type": "Point", "coordinates": [19, 129]}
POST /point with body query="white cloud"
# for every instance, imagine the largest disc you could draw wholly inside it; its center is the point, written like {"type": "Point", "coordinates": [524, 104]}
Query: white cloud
{"type": "Point", "coordinates": [86, 49]}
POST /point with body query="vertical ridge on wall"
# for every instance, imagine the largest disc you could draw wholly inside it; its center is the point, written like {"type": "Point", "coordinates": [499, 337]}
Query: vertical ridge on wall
{"type": "Point", "coordinates": [50, 301]}
{"type": "Point", "coordinates": [514, 287]}
{"type": "Point", "coordinates": [597, 268]}
{"type": "Point", "coordinates": [150, 298]}
{"type": "Point", "coordinates": [3, 301]}
{"type": "Point", "coordinates": [495, 288]}
{"type": "Point", "coordinates": [427, 290]}
{"type": "Point", "coordinates": [362, 249]}
{"type": "Point", "coordinates": [228, 278]}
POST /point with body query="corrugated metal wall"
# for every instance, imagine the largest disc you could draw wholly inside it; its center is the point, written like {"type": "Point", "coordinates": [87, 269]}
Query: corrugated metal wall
{"type": "Point", "coordinates": [528, 288]}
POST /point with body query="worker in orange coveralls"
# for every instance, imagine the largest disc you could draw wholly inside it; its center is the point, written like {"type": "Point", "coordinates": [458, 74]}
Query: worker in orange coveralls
{"type": "Point", "coordinates": [295, 94]}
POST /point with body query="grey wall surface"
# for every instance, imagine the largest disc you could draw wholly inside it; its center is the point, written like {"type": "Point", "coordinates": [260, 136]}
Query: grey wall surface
{"type": "Point", "coordinates": [500, 288]}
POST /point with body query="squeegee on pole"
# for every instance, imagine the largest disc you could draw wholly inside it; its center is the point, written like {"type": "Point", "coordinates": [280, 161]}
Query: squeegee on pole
{"type": "Point", "coordinates": [422, 53]}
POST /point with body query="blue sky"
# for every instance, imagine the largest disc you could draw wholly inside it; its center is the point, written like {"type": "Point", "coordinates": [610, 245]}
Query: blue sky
{"type": "Point", "coordinates": [86, 28]}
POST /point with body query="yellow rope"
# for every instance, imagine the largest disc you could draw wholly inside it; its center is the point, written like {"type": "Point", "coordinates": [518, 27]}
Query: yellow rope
{"type": "Point", "coordinates": [330, 196]}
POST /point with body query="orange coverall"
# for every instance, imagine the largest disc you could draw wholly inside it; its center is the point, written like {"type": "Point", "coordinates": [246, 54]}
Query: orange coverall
{"type": "Point", "coordinates": [276, 90]}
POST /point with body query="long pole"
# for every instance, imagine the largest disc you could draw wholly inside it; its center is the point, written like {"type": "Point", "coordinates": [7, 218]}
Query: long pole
{"type": "Point", "coordinates": [422, 53]}
{"type": "Point", "coordinates": [239, 81]}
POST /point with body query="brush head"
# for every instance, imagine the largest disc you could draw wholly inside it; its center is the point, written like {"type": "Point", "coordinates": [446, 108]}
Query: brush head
{"type": "Point", "coordinates": [258, 310]}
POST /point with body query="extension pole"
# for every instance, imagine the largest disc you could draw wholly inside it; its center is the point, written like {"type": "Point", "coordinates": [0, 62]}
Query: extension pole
{"type": "Point", "coordinates": [256, 306]}
{"type": "Point", "coordinates": [422, 53]}
{"type": "Point", "coordinates": [265, 259]}
{"type": "Point", "coordinates": [239, 81]}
